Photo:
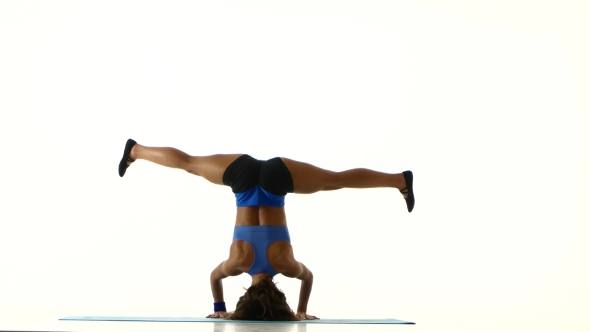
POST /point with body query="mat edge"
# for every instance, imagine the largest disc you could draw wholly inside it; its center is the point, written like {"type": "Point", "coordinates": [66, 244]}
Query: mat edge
{"type": "Point", "coordinates": [356, 321]}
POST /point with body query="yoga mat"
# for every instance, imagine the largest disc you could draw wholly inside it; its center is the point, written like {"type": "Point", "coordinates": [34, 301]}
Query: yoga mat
{"type": "Point", "coordinates": [219, 320]}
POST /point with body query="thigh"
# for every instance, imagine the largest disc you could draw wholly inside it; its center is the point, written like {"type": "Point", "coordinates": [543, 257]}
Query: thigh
{"type": "Point", "coordinates": [212, 167]}
{"type": "Point", "coordinates": [308, 178]}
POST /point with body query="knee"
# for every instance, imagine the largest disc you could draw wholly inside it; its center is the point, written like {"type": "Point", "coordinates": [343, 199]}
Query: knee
{"type": "Point", "coordinates": [332, 180]}
{"type": "Point", "coordinates": [190, 165]}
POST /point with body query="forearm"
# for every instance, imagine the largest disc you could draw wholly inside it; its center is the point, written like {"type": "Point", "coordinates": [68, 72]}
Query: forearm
{"type": "Point", "coordinates": [216, 283]}
{"type": "Point", "coordinates": [305, 292]}
{"type": "Point", "coordinates": [217, 290]}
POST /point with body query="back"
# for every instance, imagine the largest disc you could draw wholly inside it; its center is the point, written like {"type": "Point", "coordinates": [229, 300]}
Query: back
{"type": "Point", "coordinates": [261, 216]}
{"type": "Point", "coordinates": [260, 238]}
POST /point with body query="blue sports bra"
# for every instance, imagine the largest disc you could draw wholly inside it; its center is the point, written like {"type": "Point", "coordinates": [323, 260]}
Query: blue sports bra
{"type": "Point", "coordinates": [260, 237]}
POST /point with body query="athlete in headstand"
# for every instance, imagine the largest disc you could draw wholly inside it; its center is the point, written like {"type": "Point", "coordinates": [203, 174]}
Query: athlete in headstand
{"type": "Point", "coordinates": [261, 244]}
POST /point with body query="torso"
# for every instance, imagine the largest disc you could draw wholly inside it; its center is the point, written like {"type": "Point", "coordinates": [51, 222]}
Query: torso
{"type": "Point", "coordinates": [261, 216]}
{"type": "Point", "coordinates": [278, 253]}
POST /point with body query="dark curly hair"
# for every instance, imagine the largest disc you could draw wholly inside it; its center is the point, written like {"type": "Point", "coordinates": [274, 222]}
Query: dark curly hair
{"type": "Point", "coordinates": [263, 301]}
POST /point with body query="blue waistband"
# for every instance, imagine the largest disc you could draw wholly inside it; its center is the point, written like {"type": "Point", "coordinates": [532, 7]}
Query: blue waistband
{"type": "Point", "coordinates": [257, 196]}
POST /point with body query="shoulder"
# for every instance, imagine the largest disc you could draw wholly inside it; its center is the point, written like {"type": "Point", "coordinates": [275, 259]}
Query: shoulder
{"type": "Point", "coordinates": [241, 256]}
{"type": "Point", "coordinates": [280, 257]}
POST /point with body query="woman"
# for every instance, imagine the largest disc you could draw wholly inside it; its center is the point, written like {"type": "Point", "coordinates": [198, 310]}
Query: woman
{"type": "Point", "coordinates": [261, 244]}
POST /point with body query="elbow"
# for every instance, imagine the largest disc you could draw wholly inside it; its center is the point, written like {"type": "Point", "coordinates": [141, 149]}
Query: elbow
{"type": "Point", "coordinates": [214, 276]}
{"type": "Point", "coordinates": [309, 276]}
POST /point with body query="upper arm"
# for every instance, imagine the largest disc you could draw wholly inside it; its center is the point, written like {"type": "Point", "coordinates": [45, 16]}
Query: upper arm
{"type": "Point", "coordinates": [225, 269]}
{"type": "Point", "coordinates": [289, 267]}
{"type": "Point", "coordinates": [297, 270]}
{"type": "Point", "coordinates": [230, 267]}
{"type": "Point", "coordinates": [292, 269]}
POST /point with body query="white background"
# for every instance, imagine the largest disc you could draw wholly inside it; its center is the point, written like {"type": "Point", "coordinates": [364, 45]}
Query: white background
{"type": "Point", "coordinates": [487, 102]}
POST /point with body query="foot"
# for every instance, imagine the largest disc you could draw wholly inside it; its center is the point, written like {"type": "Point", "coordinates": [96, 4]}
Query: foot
{"type": "Point", "coordinates": [126, 160]}
{"type": "Point", "coordinates": [408, 190]}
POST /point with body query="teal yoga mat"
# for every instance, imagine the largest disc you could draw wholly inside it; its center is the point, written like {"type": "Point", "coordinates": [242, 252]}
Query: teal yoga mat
{"type": "Point", "coordinates": [219, 320]}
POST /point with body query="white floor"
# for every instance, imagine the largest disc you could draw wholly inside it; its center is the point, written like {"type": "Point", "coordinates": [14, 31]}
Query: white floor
{"type": "Point", "coordinates": [22, 320]}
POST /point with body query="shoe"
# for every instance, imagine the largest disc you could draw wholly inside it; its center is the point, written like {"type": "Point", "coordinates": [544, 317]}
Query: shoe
{"type": "Point", "coordinates": [409, 189]}
{"type": "Point", "coordinates": [123, 164]}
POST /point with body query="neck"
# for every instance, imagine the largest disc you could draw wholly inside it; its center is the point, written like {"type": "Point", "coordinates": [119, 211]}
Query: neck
{"type": "Point", "coordinates": [260, 276]}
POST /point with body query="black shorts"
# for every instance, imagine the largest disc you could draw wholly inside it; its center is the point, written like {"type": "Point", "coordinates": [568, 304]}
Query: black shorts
{"type": "Point", "coordinates": [246, 172]}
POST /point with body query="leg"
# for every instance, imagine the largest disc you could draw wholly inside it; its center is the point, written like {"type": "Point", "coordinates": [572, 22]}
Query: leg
{"type": "Point", "coordinates": [309, 179]}
{"type": "Point", "coordinates": [209, 167]}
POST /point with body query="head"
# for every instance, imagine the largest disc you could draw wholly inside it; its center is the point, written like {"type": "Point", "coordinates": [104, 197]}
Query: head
{"type": "Point", "coordinates": [263, 301]}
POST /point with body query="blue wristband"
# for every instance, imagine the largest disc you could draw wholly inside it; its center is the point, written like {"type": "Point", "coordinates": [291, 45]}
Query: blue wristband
{"type": "Point", "coordinates": [219, 306]}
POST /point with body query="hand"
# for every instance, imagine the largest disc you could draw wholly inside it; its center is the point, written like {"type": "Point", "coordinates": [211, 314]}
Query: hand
{"type": "Point", "coordinates": [218, 314]}
{"type": "Point", "coordinates": [302, 315]}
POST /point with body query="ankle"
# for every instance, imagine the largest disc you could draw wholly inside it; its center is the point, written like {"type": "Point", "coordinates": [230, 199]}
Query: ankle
{"type": "Point", "coordinates": [398, 181]}
{"type": "Point", "coordinates": [135, 152]}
